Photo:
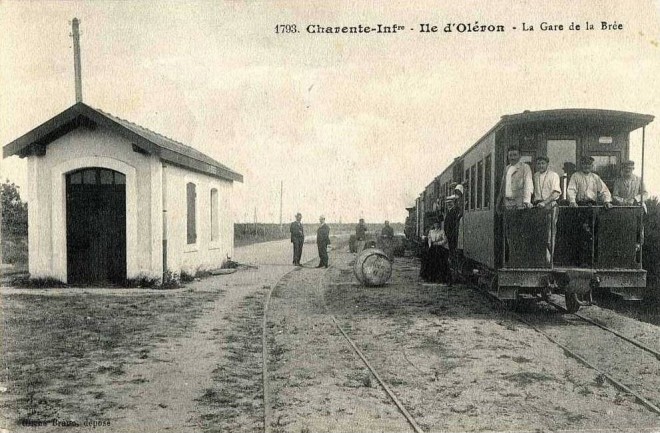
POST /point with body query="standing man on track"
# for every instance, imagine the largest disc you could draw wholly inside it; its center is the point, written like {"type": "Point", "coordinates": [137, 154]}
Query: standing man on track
{"type": "Point", "coordinates": [297, 238]}
{"type": "Point", "coordinates": [360, 235]}
{"type": "Point", "coordinates": [322, 242]}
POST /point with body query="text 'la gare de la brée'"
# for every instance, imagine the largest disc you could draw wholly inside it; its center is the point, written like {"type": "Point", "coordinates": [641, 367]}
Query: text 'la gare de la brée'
{"type": "Point", "coordinates": [451, 27]}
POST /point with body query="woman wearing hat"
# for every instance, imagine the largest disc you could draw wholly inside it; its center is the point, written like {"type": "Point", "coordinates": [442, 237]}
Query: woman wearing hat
{"type": "Point", "coordinates": [438, 260]}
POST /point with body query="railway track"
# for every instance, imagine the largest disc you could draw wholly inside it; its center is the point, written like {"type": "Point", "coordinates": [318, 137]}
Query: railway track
{"type": "Point", "coordinates": [268, 418]}
{"type": "Point", "coordinates": [351, 338]}
{"type": "Point", "coordinates": [614, 378]}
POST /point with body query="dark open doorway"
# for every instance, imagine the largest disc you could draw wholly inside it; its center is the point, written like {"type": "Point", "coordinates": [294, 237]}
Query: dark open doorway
{"type": "Point", "coordinates": [96, 226]}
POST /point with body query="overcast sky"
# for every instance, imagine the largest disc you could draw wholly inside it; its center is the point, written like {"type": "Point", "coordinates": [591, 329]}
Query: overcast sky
{"type": "Point", "coordinates": [354, 125]}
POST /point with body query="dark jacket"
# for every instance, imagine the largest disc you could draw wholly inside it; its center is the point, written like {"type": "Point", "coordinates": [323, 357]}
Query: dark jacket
{"type": "Point", "coordinates": [360, 232]}
{"type": "Point", "coordinates": [387, 232]}
{"type": "Point", "coordinates": [297, 232]}
{"type": "Point", "coordinates": [452, 221]}
{"type": "Point", "coordinates": [323, 235]}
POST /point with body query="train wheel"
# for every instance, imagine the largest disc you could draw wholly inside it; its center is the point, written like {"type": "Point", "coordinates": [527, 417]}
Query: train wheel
{"type": "Point", "coordinates": [572, 302]}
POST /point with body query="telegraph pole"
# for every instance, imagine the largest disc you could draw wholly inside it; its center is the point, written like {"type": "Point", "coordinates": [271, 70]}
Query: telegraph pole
{"type": "Point", "coordinates": [76, 57]}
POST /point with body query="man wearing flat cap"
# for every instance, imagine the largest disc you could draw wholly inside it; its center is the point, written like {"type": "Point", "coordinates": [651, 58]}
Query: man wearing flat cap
{"type": "Point", "coordinates": [587, 188]}
{"type": "Point", "coordinates": [628, 189]}
{"type": "Point", "coordinates": [322, 242]}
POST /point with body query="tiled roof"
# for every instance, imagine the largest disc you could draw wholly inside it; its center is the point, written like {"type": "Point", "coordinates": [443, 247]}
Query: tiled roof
{"type": "Point", "coordinates": [148, 141]}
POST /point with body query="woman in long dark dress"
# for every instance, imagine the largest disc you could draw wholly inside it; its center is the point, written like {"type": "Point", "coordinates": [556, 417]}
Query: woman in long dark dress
{"type": "Point", "coordinates": [438, 256]}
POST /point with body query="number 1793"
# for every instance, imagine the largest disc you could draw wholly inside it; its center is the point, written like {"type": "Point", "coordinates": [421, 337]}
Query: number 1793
{"type": "Point", "coordinates": [286, 28]}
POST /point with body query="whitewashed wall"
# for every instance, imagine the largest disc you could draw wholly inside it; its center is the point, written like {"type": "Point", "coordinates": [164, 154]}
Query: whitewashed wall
{"type": "Point", "coordinates": [144, 213]}
{"type": "Point", "coordinates": [203, 254]}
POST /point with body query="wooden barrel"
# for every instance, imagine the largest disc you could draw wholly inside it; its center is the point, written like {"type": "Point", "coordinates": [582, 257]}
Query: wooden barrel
{"type": "Point", "coordinates": [372, 267]}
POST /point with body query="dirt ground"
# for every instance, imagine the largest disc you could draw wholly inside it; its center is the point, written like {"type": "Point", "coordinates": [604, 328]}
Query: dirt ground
{"type": "Point", "coordinates": [456, 362]}
{"type": "Point", "coordinates": [190, 360]}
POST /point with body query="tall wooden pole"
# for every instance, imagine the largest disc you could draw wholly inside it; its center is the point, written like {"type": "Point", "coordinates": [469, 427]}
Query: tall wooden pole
{"type": "Point", "coordinates": [76, 58]}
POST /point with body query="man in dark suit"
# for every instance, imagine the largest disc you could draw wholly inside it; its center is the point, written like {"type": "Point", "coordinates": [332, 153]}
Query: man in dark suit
{"type": "Point", "coordinates": [322, 242]}
{"type": "Point", "coordinates": [297, 238]}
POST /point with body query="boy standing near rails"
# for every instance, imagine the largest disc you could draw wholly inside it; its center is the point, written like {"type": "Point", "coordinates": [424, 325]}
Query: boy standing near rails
{"type": "Point", "coordinates": [297, 238]}
{"type": "Point", "coordinates": [547, 190]}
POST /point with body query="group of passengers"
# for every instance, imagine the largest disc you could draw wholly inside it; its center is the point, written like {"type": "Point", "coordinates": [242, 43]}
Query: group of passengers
{"type": "Point", "coordinates": [585, 188]}
{"type": "Point", "coordinates": [520, 189]}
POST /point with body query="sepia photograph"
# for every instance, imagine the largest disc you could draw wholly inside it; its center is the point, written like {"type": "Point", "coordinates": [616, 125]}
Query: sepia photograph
{"type": "Point", "coordinates": [305, 217]}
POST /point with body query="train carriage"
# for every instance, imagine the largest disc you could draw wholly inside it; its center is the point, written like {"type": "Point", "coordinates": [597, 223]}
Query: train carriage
{"type": "Point", "coordinates": [509, 250]}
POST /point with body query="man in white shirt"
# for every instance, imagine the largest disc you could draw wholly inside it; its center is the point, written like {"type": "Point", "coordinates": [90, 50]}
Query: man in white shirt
{"type": "Point", "coordinates": [587, 188]}
{"type": "Point", "coordinates": [546, 192]}
{"type": "Point", "coordinates": [546, 184]}
{"type": "Point", "coordinates": [517, 183]}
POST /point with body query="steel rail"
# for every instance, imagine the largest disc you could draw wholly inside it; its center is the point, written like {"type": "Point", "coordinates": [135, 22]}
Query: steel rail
{"type": "Point", "coordinates": [605, 328]}
{"type": "Point", "coordinates": [646, 403]}
{"type": "Point", "coordinates": [382, 383]}
{"type": "Point", "coordinates": [264, 350]}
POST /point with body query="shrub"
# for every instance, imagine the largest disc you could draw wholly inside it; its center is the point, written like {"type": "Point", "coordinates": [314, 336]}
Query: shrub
{"type": "Point", "coordinates": [14, 210]}
{"type": "Point", "coordinates": [651, 251]}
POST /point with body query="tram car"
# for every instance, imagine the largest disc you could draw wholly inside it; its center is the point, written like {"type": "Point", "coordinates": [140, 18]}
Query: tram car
{"type": "Point", "coordinates": [508, 252]}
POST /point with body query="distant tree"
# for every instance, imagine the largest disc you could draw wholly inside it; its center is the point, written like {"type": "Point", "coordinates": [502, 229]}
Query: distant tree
{"type": "Point", "coordinates": [652, 240]}
{"type": "Point", "coordinates": [14, 210]}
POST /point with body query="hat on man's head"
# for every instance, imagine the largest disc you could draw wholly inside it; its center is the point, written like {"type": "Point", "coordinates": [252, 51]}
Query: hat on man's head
{"type": "Point", "coordinates": [628, 163]}
{"type": "Point", "coordinates": [459, 188]}
{"type": "Point", "coordinates": [586, 159]}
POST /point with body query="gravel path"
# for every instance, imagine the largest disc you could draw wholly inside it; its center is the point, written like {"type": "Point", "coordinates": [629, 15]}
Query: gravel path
{"type": "Point", "coordinates": [164, 392]}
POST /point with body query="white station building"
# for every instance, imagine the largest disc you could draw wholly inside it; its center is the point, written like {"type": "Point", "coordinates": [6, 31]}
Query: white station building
{"type": "Point", "coordinates": [111, 201]}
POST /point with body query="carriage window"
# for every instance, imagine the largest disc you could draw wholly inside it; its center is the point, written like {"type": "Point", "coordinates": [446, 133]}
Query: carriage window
{"type": "Point", "coordinates": [480, 182]}
{"type": "Point", "coordinates": [606, 167]}
{"type": "Point", "coordinates": [527, 158]}
{"type": "Point", "coordinates": [475, 187]}
{"type": "Point", "coordinates": [191, 198]}
{"type": "Point", "coordinates": [487, 183]}
{"type": "Point", "coordinates": [466, 192]}
{"type": "Point", "coordinates": [562, 156]}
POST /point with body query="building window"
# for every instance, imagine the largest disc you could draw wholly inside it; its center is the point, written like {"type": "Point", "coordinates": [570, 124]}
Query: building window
{"type": "Point", "coordinates": [191, 223]}
{"type": "Point", "coordinates": [215, 229]}
{"type": "Point", "coordinates": [487, 182]}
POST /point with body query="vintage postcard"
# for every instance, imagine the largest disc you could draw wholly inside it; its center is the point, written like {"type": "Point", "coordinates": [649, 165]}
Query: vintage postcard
{"type": "Point", "coordinates": [306, 216]}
